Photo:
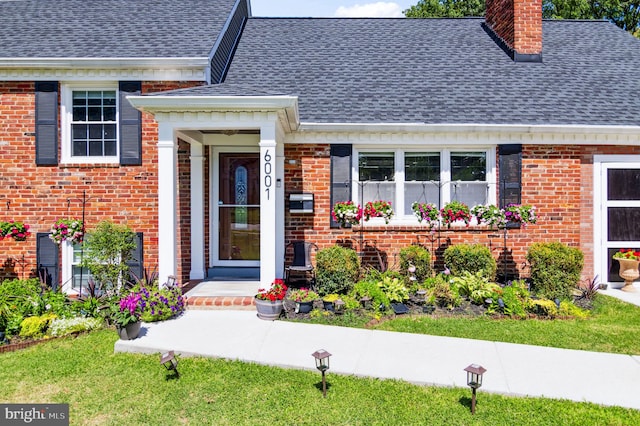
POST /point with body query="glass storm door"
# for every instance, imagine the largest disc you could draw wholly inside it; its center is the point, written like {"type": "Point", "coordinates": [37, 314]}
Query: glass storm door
{"type": "Point", "coordinates": [239, 209]}
{"type": "Point", "coordinates": [621, 211]}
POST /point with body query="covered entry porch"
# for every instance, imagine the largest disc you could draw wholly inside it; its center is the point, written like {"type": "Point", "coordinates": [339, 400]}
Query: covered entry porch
{"type": "Point", "coordinates": [220, 185]}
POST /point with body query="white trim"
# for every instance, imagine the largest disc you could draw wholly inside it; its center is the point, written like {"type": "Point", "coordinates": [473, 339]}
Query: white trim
{"type": "Point", "coordinates": [198, 270]}
{"type": "Point", "coordinates": [167, 201]}
{"type": "Point", "coordinates": [601, 163]}
{"type": "Point", "coordinates": [66, 117]}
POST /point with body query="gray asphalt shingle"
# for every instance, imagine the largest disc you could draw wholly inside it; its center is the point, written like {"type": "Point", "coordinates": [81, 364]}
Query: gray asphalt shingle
{"type": "Point", "coordinates": [437, 71]}
{"type": "Point", "coordinates": [110, 28]}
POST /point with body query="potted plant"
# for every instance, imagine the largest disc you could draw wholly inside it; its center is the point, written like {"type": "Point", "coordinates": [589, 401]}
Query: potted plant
{"type": "Point", "coordinates": [269, 302]}
{"type": "Point", "coordinates": [427, 212]}
{"type": "Point", "coordinates": [489, 215]}
{"type": "Point", "coordinates": [629, 260]}
{"type": "Point", "coordinates": [346, 213]}
{"type": "Point", "coordinates": [455, 211]}
{"type": "Point", "coordinates": [127, 315]}
{"type": "Point", "coordinates": [378, 208]}
{"type": "Point", "coordinates": [17, 230]}
{"type": "Point", "coordinates": [304, 299]}
{"type": "Point", "coordinates": [71, 230]}
{"type": "Point", "coordinates": [523, 214]}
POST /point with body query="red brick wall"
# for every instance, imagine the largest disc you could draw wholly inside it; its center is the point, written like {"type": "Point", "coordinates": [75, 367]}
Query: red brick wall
{"type": "Point", "coordinates": [518, 23]}
{"type": "Point", "coordinates": [40, 195]}
{"type": "Point", "coordinates": [557, 180]}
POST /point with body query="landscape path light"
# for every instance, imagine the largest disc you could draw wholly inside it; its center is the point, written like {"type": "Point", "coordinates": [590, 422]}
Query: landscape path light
{"type": "Point", "coordinates": [474, 381]}
{"type": "Point", "coordinates": [322, 363]}
{"type": "Point", "coordinates": [170, 362]}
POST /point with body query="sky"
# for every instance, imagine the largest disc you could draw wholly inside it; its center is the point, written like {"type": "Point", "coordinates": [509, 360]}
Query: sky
{"type": "Point", "coordinates": [331, 8]}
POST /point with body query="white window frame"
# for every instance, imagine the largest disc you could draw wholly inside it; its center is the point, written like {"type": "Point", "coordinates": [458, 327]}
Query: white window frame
{"type": "Point", "coordinates": [67, 268]}
{"type": "Point", "coordinates": [66, 117]}
{"type": "Point", "coordinates": [402, 217]}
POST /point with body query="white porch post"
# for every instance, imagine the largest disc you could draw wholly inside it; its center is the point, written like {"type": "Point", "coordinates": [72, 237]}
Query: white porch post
{"type": "Point", "coordinates": [197, 212]}
{"type": "Point", "coordinates": [280, 209]}
{"type": "Point", "coordinates": [167, 180]}
{"type": "Point", "coordinates": [268, 196]}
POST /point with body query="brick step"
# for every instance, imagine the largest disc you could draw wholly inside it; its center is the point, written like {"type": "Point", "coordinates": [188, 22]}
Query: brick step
{"type": "Point", "coordinates": [220, 302]}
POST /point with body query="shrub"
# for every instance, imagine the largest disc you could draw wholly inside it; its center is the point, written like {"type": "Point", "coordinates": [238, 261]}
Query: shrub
{"type": "Point", "coordinates": [471, 258]}
{"type": "Point", "coordinates": [337, 270]}
{"type": "Point", "coordinates": [475, 287]}
{"type": "Point", "coordinates": [515, 298]}
{"type": "Point", "coordinates": [54, 302]}
{"type": "Point", "coordinates": [417, 256]}
{"type": "Point", "coordinates": [441, 293]}
{"type": "Point", "coordinates": [370, 289]}
{"type": "Point", "coordinates": [23, 295]}
{"type": "Point", "coordinates": [64, 326]}
{"type": "Point", "coordinates": [555, 269]}
{"type": "Point", "coordinates": [543, 308]}
{"type": "Point", "coordinates": [36, 326]}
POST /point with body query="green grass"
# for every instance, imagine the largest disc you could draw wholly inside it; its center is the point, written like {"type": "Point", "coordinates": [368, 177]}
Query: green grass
{"type": "Point", "coordinates": [103, 388]}
{"type": "Point", "coordinates": [614, 327]}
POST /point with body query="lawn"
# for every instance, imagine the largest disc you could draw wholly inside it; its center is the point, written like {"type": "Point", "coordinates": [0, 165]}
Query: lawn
{"type": "Point", "coordinates": [103, 388]}
{"type": "Point", "coordinates": [613, 327]}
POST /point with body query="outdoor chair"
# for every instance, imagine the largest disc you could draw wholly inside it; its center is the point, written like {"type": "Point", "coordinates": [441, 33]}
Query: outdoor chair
{"type": "Point", "coordinates": [301, 265]}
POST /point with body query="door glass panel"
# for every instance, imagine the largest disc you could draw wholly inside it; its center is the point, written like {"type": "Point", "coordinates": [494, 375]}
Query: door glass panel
{"type": "Point", "coordinates": [623, 223]}
{"type": "Point", "coordinates": [614, 265]}
{"type": "Point", "coordinates": [623, 184]}
{"type": "Point", "coordinates": [239, 207]}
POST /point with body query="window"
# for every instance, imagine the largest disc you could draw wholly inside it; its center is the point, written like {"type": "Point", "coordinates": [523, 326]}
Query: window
{"type": "Point", "coordinates": [73, 275]}
{"type": "Point", "coordinates": [90, 126]}
{"type": "Point", "coordinates": [406, 176]}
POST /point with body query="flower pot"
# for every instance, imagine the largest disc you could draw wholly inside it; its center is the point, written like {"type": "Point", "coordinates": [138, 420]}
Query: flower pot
{"type": "Point", "coordinates": [129, 331]}
{"type": "Point", "coordinates": [328, 306]}
{"type": "Point", "coordinates": [268, 310]}
{"type": "Point", "coordinates": [628, 272]}
{"type": "Point", "coordinates": [304, 307]}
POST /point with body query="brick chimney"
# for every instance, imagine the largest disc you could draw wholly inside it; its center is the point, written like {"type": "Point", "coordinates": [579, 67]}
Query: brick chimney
{"type": "Point", "coordinates": [517, 26]}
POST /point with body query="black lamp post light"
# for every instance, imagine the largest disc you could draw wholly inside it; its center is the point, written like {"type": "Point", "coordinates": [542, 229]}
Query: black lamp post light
{"type": "Point", "coordinates": [474, 381]}
{"type": "Point", "coordinates": [170, 362]}
{"type": "Point", "coordinates": [322, 363]}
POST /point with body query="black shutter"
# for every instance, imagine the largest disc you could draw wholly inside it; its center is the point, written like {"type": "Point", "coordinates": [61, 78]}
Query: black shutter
{"type": "Point", "coordinates": [46, 123]}
{"type": "Point", "coordinates": [130, 125]}
{"type": "Point", "coordinates": [510, 169]}
{"type": "Point", "coordinates": [340, 176]}
{"type": "Point", "coordinates": [136, 263]}
{"type": "Point", "coordinates": [47, 259]}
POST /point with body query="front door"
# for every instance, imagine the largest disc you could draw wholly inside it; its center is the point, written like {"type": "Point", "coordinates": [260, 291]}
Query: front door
{"type": "Point", "coordinates": [620, 195]}
{"type": "Point", "coordinates": [238, 209]}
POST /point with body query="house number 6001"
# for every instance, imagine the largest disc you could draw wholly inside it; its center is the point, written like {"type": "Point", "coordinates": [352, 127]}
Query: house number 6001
{"type": "Point", "coordinates": [267, 173]}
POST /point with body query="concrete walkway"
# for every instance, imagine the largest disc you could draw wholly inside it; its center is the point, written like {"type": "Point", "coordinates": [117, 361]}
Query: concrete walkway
{"type": "Point", "coordinates": [512, 369]}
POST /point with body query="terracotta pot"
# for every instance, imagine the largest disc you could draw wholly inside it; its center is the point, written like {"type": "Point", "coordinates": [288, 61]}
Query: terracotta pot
{"type": "Point", "coordinates": [268, 310]}
{"type": "Point", "coordinates": [629, 273]}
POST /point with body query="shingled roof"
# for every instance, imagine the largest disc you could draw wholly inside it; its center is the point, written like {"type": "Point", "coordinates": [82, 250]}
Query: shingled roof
{"type": "Point", "coordinates": [110, 28]}
{"type": "Point", "coordinates": [436, 71]}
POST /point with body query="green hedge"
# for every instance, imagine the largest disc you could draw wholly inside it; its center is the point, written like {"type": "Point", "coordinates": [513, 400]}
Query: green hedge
{"type": "Point", "coordinates": [461, 258]}
{"type": "Point", "coordinates": [555, 269]}
{"type": "Point", "coordinates": [337, 270]}
{"type": "Point", "coordinates": [419, 257]}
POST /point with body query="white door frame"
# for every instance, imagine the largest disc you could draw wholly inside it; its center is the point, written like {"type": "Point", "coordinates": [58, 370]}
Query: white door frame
{"type": "Point", "coordinates": [214, 190]}
{"type": "Point", "coordinates": [601, 164]}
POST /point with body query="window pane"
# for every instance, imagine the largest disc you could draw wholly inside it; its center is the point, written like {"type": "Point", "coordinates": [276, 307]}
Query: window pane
{"type": "Point", "coordinates": [421, 166]}
{"type": "Point", "coordinates": [623, 184]}
{"type": "Point", "coordinates": [379, 191]}
{"type": "Point", "coordinates": [79, 113]}
{"type": "Point", "coordinates": [109, 131]}
{"type": "Point", "coordinates": [95, 131]}
{"type": "Point", "coordinates": [376, 167]}
{"type": "Point", "coordinates": [468, 166]}
{"type": "Point", "coordinates": [79, 149]}
{"type": "Point", "coordinates": [422, 192]}
{"type": "Point", "coordinates": [469, 193]}
{"type": "Point", "coordinates": [110, 114]}
{"type": "Point", "coordinates": [79, 97]}
{"type": "Point", "coordinates": [95, 148]}
{"type": "Point", "coordinates": [110, 148]}
{"type": "Point", "coordinates": [94, 114]}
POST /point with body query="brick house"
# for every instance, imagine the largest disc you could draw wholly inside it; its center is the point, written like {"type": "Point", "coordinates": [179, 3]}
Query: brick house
{"type": "Point", "coordinates": [233, 115]}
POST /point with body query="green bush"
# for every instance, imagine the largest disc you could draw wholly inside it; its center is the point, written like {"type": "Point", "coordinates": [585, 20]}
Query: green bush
{"type": "Point", "coordinates": [470, 258]}
{"type": "Point", "coordinates": [441, 293]}
{"type": "Point", "coordinates": [369, 288]}
{"type": "Point", "coordinates": [337, 269]}
{"type": "Point", "coordinates": [555, 269]}
{"type": "Point", "coordinates": [54, 302]}
{"type": "Point", "coordinates": [417, 256]}
{"type": "Point", "coordinates": [515, 297]}
{"type": "Point", "coordinates": [476, 287]}
{"type": "Point", "coordinates": [19, 298]}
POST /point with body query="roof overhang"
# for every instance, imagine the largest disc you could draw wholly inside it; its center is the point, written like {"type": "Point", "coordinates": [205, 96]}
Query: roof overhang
{"type": "Point", "coordinates": [470, 128]}
{"type": "Point", "coordinates": [105, 63]}
{"type": "Point", "coordinates": [286, 106]}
